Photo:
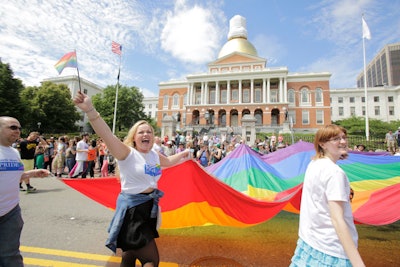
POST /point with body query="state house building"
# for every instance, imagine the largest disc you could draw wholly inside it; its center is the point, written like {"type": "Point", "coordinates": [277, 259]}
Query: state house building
{"type": "Point", "coordinates": [239, 83]}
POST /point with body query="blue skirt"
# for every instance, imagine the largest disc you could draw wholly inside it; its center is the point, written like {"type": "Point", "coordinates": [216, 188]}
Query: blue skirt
{"type": "Point", "coordinates": [305, 255]}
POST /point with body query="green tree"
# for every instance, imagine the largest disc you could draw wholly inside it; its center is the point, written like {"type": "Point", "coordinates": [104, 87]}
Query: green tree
{"type": "Point", "coordinates": [129, 109]}
{"type": "Point", "coordinates": [10, 89]}
{"type": "Point", "coordinates": [51, 105]}
{"type": "Point", "coordinates": [356, 126]}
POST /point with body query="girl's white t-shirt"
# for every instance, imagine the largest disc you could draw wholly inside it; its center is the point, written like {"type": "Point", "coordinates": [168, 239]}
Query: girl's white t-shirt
{"type": "Point", "coordinates": [139, 171]}
{"type": "Point", "coordinates": [324, 181]}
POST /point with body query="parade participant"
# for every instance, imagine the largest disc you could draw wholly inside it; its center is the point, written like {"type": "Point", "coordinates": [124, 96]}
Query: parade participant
{"type": "Point", "coordinates": [327, 234]}
{"type": "Point", "coordinates": [11, 174]}
{"type": "Point", "coordinates": [27, 149]}
{"type": "Point", "coordinates": [134, 225]}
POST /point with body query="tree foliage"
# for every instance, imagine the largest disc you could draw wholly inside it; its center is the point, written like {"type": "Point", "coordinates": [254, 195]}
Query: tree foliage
{"type": "Point", "coordinates": [50, 105]}
{"type": "Point", "coordinates": [129, 106]}
{"type": "Point", "coordinates": [10, 88]}
{"type": "Point", "coordinates": [377, 128]}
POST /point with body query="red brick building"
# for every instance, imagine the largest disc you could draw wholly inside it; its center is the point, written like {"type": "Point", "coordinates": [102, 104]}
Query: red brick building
{"type": "Point", "coordinates": [239, 83]}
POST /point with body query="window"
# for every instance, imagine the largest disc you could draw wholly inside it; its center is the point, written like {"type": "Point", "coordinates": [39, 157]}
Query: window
{"type": "Point", "coordinates": [149, 114]}
{"type": "Point", "coordinates": [340, 99]}
{"type": "Point", "coordinates": [85, 91]}
{"type": "Point", "coordinates": [318, 96]}
{"type": "Point", "coordinates": [305, 97]}
{"type": "Point", "coordinates": [363, 111]}
{"type": "Point", "coordinates": [246, 96]}
{"type": "Point", "coordinates": [274, 96]}
{"type": "Point", "coordinates": [320, 117]}
{"type": "Point", "coordinates": [390, 98]}
{"type": "Point", "coordinates": [352, 111]}
{"type": "Point", "coordinates": [257, 95]}
{"type": "Point", "coordinates": [197, 97]}
{"type": "Point", "coordinates": [165, 101]}
{"type": "Point", "coordinates": [341, 111]}
{"type": "Point", "coordinates": [305, 117]}
{"type": "Point", "coordinates": [377, 110]}
{"type": "Point", "coordinates": [235, 95]}
{"type": "Point", "coordinates": [391, 110]}
{"type": "Point", "coordinates": [363, 99]}
{"type": "Point", "coordinates": [352, 99]}
{"type": "Point", "coordinates": [150, 105]}
{"type": "Point", "coordinates": [175, 101]}
{"type": "Point", "coordinates": [291, 96]}
{"type": "Point", "coordinates": [223, 96]}
{"type": "Point", "coordinates": [211, 96]}
{"type": "Point", "coordinates": [376, 98]}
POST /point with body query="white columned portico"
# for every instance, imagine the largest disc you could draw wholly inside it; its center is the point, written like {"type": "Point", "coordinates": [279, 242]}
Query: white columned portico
{"type": "Point", "coordinates": [280, 90]}
{"type": "Point", "coordinates": [268, 90]}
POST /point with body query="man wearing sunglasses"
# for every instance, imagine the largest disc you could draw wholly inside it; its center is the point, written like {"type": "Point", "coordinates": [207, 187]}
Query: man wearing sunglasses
{"type": "Point", "coordinates": [27, 148]}
{"type": "Point", "coordinates": [11, 174]}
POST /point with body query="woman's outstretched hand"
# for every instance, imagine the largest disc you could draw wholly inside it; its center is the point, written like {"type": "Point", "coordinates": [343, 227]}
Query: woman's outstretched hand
{"type": "Point", "coordinates": [83, 102]}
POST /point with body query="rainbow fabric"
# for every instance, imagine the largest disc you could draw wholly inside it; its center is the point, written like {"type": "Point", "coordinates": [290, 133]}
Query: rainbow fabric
{"type": "Point", "coordinates": [68, 60]}
{"type": "Point", "coordinates": [246, 188]}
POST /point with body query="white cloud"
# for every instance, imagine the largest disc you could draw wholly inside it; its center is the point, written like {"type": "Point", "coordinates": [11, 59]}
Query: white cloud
{"type": "Point", "coordinates": [192, 34]}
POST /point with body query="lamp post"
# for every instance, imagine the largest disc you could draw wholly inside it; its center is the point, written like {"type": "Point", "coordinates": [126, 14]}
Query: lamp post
{"type": "Point", "coordinates": [38, 125]}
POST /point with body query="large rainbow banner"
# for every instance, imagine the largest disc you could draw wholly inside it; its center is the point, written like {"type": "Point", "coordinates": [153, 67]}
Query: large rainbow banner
{"type": "Point", "coordinates": [247, 188]}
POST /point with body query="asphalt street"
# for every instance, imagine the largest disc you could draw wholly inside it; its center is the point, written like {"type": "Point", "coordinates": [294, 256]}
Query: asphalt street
{"type": "Point", "coordinates": [64, 228]}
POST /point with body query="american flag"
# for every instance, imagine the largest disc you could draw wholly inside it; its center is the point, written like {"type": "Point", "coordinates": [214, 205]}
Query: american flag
{"type": "Point", "coordinates": [116, 48]}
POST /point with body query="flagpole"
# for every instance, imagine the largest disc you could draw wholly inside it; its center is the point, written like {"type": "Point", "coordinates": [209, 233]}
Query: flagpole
{"type": "Point", "coordinates": [116, 96]}
{"type": "Point", "coordinates": [77, 69]}
{"type": "Point", "coordinates": [365, 91]}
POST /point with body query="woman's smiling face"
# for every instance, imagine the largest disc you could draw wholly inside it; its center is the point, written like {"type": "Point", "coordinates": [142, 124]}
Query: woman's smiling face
{"type": "Point", "coordinates": [144, 138]}
{"type": "Point", "coordinates": [336, 147]}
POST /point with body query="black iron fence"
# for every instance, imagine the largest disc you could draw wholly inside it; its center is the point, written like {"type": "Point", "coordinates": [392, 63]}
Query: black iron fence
{"type": "Point", "coordinates": [372, 144]}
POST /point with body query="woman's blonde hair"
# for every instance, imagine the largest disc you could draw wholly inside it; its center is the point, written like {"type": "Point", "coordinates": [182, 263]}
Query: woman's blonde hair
{"type": "Point", "coordinates": [323, 135]}
{"type": "Point", "coordinates": [129, 139]}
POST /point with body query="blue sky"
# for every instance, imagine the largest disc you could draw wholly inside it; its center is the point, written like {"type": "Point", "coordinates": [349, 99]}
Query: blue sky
{"type": "Point", "coordinates": [167, 40]}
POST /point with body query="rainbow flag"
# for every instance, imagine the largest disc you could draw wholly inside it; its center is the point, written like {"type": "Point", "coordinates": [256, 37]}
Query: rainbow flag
{"type": "Point", "coordinates": [68, 60]}
{"type": "Point", "coordinates": [246, 188]}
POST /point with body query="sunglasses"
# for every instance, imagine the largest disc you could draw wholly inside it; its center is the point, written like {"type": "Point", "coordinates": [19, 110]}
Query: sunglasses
{"type": "Point", "coordinates": [14, 128]}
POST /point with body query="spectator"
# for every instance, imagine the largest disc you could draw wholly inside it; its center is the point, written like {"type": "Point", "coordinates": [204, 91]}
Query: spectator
{"type": "Point", "coordinates": [27, 148]}
{"type": "Point", "coordinates": [389, 140]}
{"type": "Point", "coordinates": [81, 164]}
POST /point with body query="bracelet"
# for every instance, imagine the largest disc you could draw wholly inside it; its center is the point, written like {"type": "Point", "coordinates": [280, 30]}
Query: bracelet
{"type": "Point", "coordinates": [95, 118]}
{"type": "Point", "coordinates": [90, 110]}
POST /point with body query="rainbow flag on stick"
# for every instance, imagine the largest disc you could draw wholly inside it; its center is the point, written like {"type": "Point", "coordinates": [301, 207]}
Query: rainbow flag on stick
{"type": "Point", "coordinates": [68, 60]}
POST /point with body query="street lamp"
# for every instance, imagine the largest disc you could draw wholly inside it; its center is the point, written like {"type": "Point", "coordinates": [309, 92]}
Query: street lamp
{"type": "Point", "coordinates": [38, 125]}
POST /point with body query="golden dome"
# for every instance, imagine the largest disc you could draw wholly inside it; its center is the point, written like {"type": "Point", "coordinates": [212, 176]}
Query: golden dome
{"type": "Point", "coordinates": [237, 38]}
{"type": "Point", "coordinates": [240, 45]}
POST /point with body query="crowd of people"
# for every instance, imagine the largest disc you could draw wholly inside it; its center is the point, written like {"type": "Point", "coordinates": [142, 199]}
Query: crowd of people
{"type": "Point", "coordinates": [72, 157]}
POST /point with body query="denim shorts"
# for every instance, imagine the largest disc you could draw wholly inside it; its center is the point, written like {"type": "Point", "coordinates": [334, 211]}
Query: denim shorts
{"type": "Point", "coordinates": [305, 255]}
{"type": "Point", "coordinates": [10, 232]}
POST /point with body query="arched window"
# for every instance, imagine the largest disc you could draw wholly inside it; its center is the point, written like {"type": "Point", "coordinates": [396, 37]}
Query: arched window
{"type": "Point", "coordinates": [175, 101]}
{"type": "Point", "coordinates": [318, 96]}
{"type": "Point", "coordinates": [165, 101]}
{"type": "Point", "coordinates": [305, 97]}
{"type": "Point", "coordinates": [291, 97]}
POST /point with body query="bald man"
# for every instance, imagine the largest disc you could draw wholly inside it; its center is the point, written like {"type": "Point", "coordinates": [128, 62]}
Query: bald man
{"type": "Point", "coordinates": [11, 174]}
